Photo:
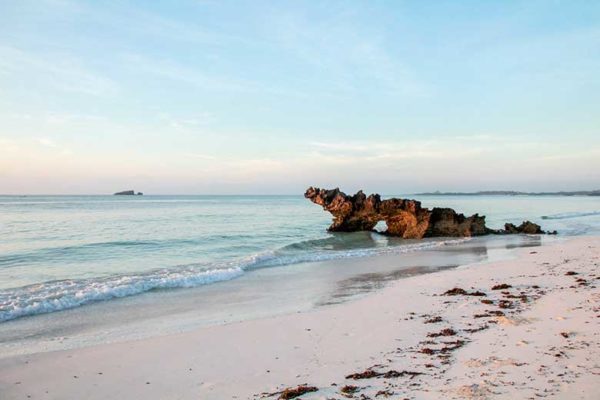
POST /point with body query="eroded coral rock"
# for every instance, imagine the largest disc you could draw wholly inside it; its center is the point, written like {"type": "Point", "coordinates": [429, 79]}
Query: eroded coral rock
{"type": "Point", "coordinates": [404, 218]}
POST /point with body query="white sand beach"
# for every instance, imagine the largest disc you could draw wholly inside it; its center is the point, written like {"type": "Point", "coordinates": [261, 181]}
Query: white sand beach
{"type": "Point", "coordinates": [540, 337]}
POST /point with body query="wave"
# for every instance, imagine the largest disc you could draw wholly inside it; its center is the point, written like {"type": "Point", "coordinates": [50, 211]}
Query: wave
{"type": "Point", "coordinates": [66, 294]}
{"type": "Point", "coordinates": [61, 295]}
{"type": "Point", "coordinates": [570, 215]}
{"type": "Point", "coordinates": [320, 250]}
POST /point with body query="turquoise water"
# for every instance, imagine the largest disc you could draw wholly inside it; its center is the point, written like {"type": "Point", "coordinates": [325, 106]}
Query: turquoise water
{"type": "Point", "coordinates": [61, 252]}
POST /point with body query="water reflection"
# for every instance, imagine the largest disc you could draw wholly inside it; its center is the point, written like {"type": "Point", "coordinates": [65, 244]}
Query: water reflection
{"type": "Point", "coordinates": [368, 282]}
{"type": "Point", "coordinates": [441, 258]}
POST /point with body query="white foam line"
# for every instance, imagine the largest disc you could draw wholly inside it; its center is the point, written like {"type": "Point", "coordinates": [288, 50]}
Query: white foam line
{"type": "Point", "coordinates": [62, 295]}
{"type": "Point", "coordinates": [571, 215]}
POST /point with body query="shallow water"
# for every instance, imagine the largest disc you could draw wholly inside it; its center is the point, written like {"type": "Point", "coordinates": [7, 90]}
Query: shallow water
{"type": "Point", "coordinates": [261, 293]}
{"type": "Point", "coordinates": [62, 252]}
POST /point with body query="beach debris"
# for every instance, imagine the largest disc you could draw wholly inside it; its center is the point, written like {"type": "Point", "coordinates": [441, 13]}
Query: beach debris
{"type": "Point", "coordinates": [443, 332]}
{"type": "Point", "coordinates": [384, 393]}
{"type": "Point", "coordinates": [462, 292]}
{"type": "Point", "coordinates": [434, 320]}
{"type": "Point", "coordinates": [569, 273]}
{"type": "Point", "coordinates": [476, 293]}
{"type": "Point", "coordinates": [369, 374]}
{"type": "Point", "coordinates": [564, 334]}
{"type": "Point", "coordinates": [521, 297]}
{"type": "Point", "coordinates": [506, 304]}
{"type": "Point", "coordinates": [473, 330]}
{"type": "Point", "coordinates": [397, 374]}
{"type": "Point", "coordinates": [487, 301]}
{"type": "Point", "coordinates": [292, 393]}
{"type": "Point", "coordinates": [349, 389]}
{"type": "Point", "coordinates": [501, 286]}
{"type": "Point", "coordinates": [451, 346]}
{"type": "Point", "coordinates": [455, 292]}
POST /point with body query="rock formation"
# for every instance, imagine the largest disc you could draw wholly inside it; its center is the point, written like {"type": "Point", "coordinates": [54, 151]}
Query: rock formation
{"type": "Point", "coordinates": [526, 227]}
{"type": "Point", "coordinates": [404, 218]}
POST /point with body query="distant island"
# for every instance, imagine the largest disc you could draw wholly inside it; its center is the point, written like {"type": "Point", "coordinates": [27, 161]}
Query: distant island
{"type": "Point", "coordinates": [128, 193]}
{"type": "Point", "coordinates": [512, 193]}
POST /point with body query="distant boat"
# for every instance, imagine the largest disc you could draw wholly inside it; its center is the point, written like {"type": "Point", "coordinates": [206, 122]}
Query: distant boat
{"type": "Point", "coordinates": [128, 193]}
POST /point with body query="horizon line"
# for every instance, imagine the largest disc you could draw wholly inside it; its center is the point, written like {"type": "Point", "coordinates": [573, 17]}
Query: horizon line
{"type": "Point", "coordinates": [436, 192]}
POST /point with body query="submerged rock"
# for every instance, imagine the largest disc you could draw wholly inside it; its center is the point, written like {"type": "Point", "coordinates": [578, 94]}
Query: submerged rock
{"type": "Point", "coordinates": [404, 218]}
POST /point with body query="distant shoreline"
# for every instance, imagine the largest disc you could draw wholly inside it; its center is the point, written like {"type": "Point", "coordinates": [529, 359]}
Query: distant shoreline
{"type": "Point", "coordinates": [512, 193]}
{"type": "Point", "coordinates": [405, 195]}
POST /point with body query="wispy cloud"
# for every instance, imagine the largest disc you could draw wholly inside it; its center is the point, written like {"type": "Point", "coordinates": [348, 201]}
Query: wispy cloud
{"type": "Point", "coordinates": [175, 71]}
{"type": "Point", "coordinates": [198, 119]}
{"type": "Point", "coordinates": [482, 147]}
{"type": "Point", "coordinates": [54, 146]}
{"type": "Point", "coordinates": [66, 118]}
{"type": "Point", "coordinates": [61, 71]}
{"type": "Point", "coordinates": [47, 143]}
{"type": "Point", "coordinates": [199, 156]}
{"type": "Point", "coordinates": [338, 46]}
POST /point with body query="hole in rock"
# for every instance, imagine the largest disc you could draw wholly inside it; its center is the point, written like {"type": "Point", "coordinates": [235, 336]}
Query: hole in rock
{"type": "Point", "coordinates": [381, 227]}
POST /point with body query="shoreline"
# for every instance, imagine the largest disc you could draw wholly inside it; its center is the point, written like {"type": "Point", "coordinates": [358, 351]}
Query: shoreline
{"type": "Point", "coordinates": [381, 332]}
{"type": "Point", "coordinates": [259, 293]}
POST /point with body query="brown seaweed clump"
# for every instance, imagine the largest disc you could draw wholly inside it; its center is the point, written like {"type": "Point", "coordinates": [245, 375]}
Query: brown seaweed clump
{"type": "Point", "coordinates": [462, 292]}
{"type": "Point", "coordinates": [501, 286]}
{"type": "Point", "coordinates": [349, 389]}
{"type": "Point", "coordinates": [443, 332]}
{"type": "Point", "coordinates": [292, 393]}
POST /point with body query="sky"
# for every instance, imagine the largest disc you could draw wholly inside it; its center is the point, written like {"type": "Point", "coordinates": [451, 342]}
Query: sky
{"type": "Point", "coordinates": [269, 97]}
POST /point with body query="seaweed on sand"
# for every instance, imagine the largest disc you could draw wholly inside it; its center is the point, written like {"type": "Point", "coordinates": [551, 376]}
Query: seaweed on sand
{"type": "Point", "coordinates": [292, 393]}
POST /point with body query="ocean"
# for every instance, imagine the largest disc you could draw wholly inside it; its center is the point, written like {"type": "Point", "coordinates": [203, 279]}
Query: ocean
{"type": "Point", "coordinates": [61, 253]}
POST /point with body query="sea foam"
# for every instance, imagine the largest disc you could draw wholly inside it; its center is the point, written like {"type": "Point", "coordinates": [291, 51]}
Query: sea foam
{"type": "Point", "coordinates": [61, 295]}
{"type": "Point", "coordinates": [570, 215]}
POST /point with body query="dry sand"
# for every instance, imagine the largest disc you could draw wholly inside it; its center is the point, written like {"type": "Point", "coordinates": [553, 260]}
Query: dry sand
{"type": "Point", "coordinates": [547, 344]}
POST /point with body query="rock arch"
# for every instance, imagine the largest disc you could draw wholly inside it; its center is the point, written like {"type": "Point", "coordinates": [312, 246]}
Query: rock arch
{"type": "Point", "coordinates": [404, 218]}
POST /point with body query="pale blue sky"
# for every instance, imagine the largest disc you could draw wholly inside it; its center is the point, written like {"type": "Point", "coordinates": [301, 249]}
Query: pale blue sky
{"type": "Point", "coordinates": [270, 97]}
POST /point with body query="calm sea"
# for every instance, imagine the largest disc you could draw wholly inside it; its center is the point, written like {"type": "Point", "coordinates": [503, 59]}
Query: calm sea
{"type": "Point", "coordinates": [62, 252]}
